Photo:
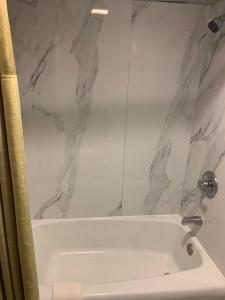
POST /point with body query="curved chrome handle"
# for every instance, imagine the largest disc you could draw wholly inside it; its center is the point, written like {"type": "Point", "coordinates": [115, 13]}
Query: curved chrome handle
{"type": "Point", "coordinates": [208, 184]}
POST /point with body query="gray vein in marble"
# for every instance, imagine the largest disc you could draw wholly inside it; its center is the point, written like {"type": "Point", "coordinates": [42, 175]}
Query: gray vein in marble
{"type": "Point", "coordinates": [85, 50]}
{"type": "Point", "coordinates": [188, 75]}
{"type": "Point", "coordinates": [208, 129]}
{"type": "Point", "coordinates": [215, 41]}
{"type": "Point", "coordinates": [38, 70]}
{"type": "Point", "coordinates": [201, 133]}
{"type": "Point", "coordinates": [158, 179]}
{"type": "Point", "coordinates": [182, 106]}
{"type": "Point", "coordinates": [57, 40]}
{"type": "Point", "coordinates": [137, 8]}
{"type": "Point", "coordinates": [56, 117]}
{"type": "Point", "coordinates": [220, 160]}
{"type": "Point", "coordinates": [117, 211]}
{"type": "Point", "coordinates": [81, 32]}
{"type": "Point", "coordinates": [59, 32]}
{"type": "Point", "coordinates": [192, 201]}
{"type": "Point", "coordinates": [192, 75]}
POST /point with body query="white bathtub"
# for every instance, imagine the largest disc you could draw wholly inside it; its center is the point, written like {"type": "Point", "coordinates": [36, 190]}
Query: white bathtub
{"type": "Point", "coordinates": [133, 258]}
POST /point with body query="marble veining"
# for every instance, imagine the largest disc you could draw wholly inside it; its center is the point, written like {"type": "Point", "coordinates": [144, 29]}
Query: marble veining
{"type": "Point", "coordinates": [38, 70]}
{"type": "Point", "coordinates": [193, 202]}
{"type": "Point", "coordinates": [159, 181]}
{"type": "Point", "coordinates": [85, 50]}
{"type": "Point", "coordinates": [208, 129]}
{"type": "Point", "coordinates": [58, 64]}
{"type": "Point", "coordinates": [137, 8]}
{"type": "Point", "coordinates": [181, 109]}
{"type": "Point", "coordinates": [207, 148]}
{"type": "Point", "coordinates": [62, 65]}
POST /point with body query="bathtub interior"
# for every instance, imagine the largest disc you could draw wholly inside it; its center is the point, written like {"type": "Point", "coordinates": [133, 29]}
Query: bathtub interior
{"type": "Point", "coordinates": [101, 251]}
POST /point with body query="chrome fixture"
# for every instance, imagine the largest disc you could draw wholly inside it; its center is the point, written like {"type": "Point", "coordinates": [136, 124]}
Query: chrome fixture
{"type": "Point", "coordinates": [193, 220]}
{"type": "Point", "coordinates": [216, 24]}
{"type": "Point", "coordinates": [208, 184]}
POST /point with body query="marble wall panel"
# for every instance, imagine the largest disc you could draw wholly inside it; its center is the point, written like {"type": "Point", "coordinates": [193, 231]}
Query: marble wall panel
{"type": "Point", "coordinates": [72, 69]}
{"type": "Point", "coordinates": [163, 84]}
{"type": "Point", "coordinates": [207, 146]}
{"type": "Point", "coordinates": [108, 103]}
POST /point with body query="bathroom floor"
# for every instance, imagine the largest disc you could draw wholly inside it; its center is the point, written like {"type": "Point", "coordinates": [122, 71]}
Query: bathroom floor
{"type": "Point", "coordinates": [105, 266]}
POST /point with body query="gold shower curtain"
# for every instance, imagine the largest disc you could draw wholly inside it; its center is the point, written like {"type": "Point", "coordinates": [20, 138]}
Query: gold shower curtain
{"type": "Point", "coordinates": [18, 277]}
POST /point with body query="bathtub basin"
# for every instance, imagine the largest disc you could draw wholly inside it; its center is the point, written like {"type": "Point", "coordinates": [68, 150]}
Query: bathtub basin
{"type": "Point", "coordinates": [131, 258]}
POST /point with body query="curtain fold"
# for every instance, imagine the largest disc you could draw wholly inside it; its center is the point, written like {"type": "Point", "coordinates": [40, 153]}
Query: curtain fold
{"type": "Point", "coordinates": [2, 290]}
{"type": "Point", "coordinates": [18, 278]}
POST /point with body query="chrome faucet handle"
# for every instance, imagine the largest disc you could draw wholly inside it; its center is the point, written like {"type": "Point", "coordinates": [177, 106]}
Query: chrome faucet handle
{"type": "Point", "coordinates": [208, 184]}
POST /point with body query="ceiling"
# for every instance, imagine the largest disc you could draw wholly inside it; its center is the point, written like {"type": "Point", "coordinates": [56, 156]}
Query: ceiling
{"type": "Point", "coordinates": [203, 2]}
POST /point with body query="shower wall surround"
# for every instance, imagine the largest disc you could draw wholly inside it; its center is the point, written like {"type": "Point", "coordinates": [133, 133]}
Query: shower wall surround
{"type": "Point", "coordinates": [166, 62]}
{"type": "Point", "coordinates": [207, 147]}
{"type": "Point", "coordinates": [73, 70]}
{"type": "Point", "coordinates": [107, 103]}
